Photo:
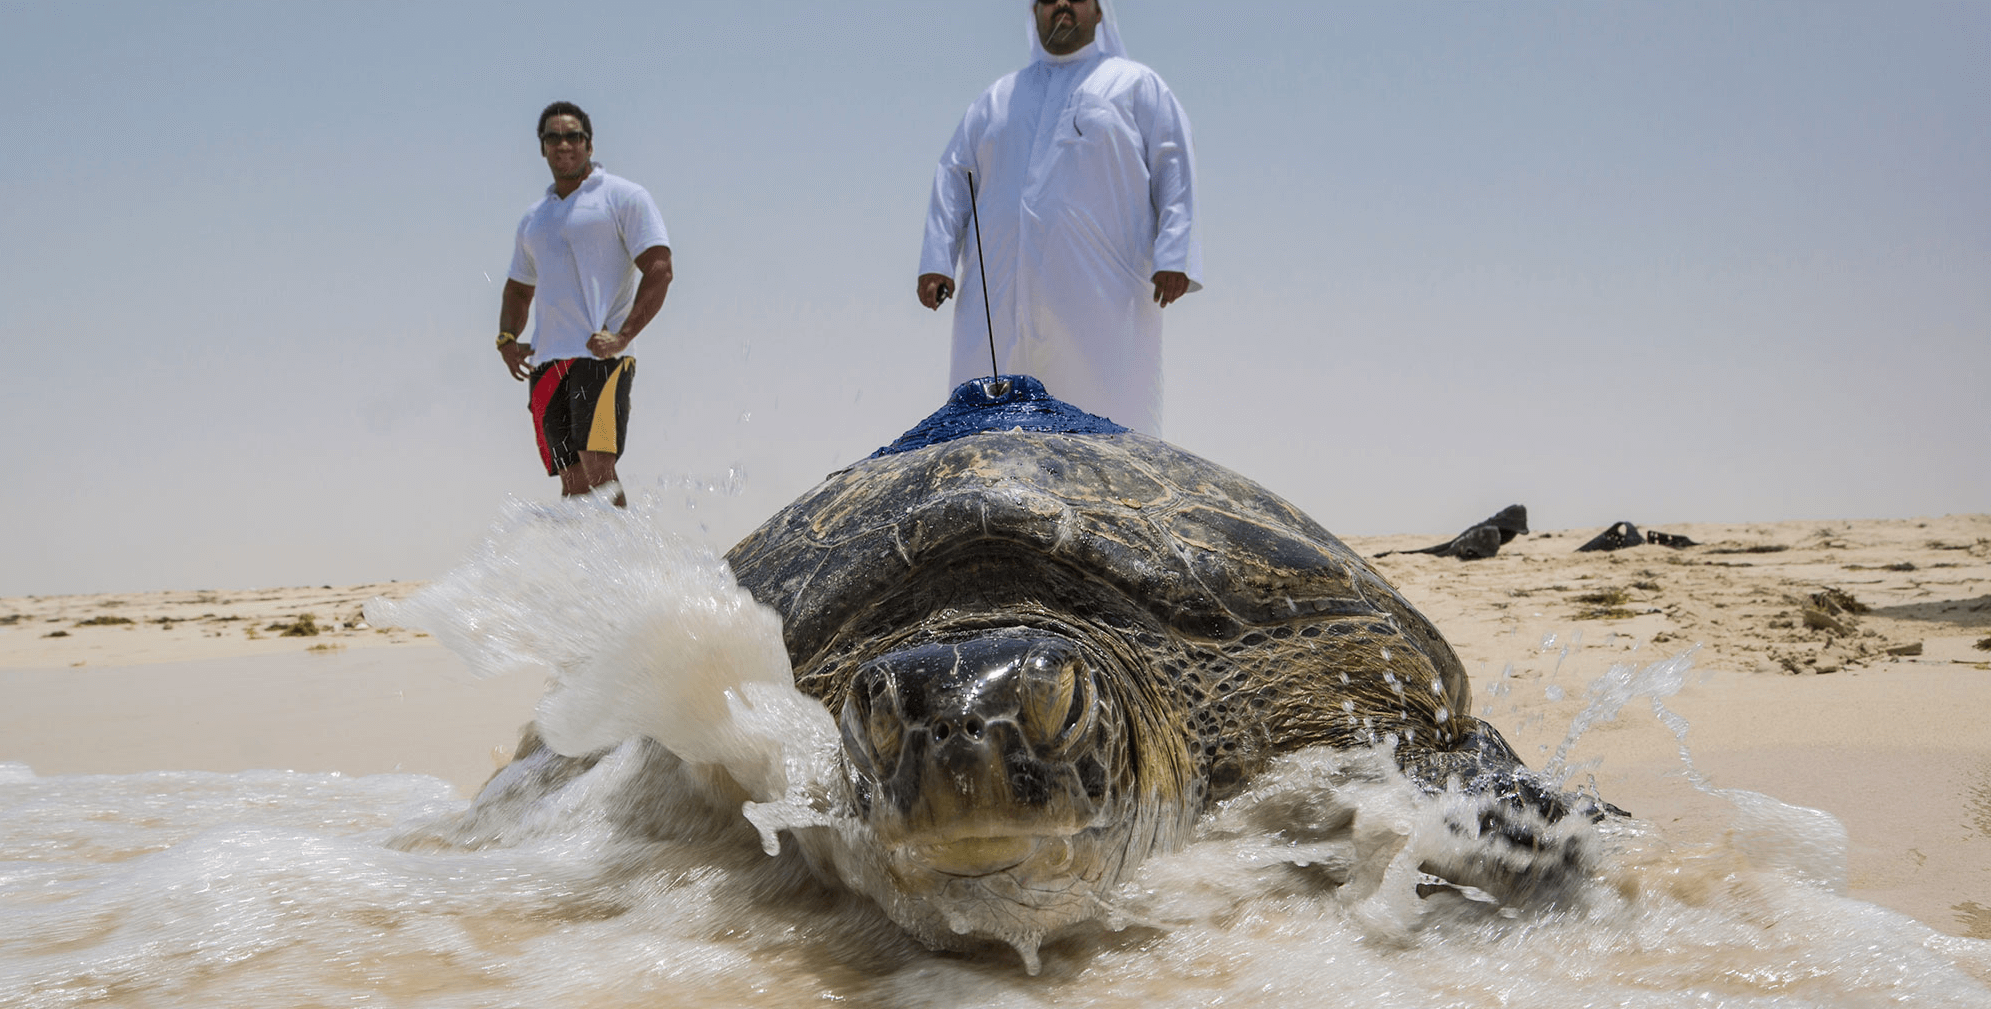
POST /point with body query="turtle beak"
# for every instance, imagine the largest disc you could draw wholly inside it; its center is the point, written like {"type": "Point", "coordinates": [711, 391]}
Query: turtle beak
{"type": "Point", "coordinates": [966, 750]}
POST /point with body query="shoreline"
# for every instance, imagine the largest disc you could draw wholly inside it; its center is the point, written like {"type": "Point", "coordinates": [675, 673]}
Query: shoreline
{"type": "Point", "coordinates": [1838, 665]}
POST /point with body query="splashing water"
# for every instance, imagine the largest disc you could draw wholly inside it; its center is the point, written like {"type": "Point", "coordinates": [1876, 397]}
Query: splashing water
{"type": "Point", "coordinates": [643, 870]}
{"type": "Point", "coordinates": [641, 632]}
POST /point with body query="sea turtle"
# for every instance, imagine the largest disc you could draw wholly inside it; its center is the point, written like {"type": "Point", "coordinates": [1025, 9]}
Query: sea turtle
{"type": "Point", "coordinates": [1051, 644]}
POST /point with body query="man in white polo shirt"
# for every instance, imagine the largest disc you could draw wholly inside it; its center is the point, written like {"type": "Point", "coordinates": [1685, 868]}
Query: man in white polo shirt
{"type": "Point", "coordinates": [594, 252]}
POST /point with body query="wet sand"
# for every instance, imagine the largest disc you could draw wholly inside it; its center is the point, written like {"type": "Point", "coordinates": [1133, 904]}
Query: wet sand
{"type": "Point", "coordinates": [1837, 666]}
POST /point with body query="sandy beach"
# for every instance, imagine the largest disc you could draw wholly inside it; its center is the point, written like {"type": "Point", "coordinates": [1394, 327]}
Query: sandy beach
{"type": "Point", "coordinates": [1842, 665]}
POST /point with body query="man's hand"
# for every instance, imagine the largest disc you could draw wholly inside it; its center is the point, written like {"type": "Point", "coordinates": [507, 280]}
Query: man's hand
{"type": "Point", "coordinates": [516, 354]}
{"type": "Point", "coordinates": [932, 286]}
{"type": "Point", "coordinates": [1170, 285]}
{"type": "Point", "coordinates": [512, 308]}
{"type": "Point", "coordinates": [605, 344]}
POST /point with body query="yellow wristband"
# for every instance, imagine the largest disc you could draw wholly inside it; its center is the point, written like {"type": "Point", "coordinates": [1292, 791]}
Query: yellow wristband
{"type": "Point", "coordinates": [505, 338]}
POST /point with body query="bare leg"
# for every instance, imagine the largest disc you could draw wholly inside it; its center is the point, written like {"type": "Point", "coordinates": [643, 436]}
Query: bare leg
{"type": "Point", "coordinates": [593, 470]}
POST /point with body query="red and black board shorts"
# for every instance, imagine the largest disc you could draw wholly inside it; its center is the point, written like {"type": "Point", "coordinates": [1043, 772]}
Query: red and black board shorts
{"type": "Point", "coordinates": [567, 408]}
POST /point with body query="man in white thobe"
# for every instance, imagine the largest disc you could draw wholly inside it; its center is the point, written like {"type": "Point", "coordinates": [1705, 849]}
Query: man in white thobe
{"type": "Point", "coordinates": [1084, 186]}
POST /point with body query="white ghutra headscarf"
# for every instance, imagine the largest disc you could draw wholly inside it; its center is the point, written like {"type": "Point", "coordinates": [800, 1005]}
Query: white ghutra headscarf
{"type": "Point", "coordinates": [1106, 37]}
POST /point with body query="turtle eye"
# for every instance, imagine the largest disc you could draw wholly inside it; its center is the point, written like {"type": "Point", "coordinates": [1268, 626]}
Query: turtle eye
{"type": "Point", "coordinates": [882, 724]}
{"type": "Point", "coordinates": [1057, 697]}
{"type": "Point", "coordinates": [869, 719]}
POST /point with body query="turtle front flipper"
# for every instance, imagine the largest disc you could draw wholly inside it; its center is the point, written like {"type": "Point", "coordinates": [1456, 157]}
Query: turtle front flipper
{"type": "Point", "coordinates": [1533, 840]}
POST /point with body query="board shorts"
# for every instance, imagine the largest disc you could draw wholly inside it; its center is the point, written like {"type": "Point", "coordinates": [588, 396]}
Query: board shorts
{"type": "Point", "coordinates": [580, 404]}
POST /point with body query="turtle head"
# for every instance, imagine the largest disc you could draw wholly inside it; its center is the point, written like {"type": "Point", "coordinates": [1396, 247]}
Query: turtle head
{"type": "Point", "coordinates": [966, 749]}
{"type": "Point", "coordinates": [996, 773]}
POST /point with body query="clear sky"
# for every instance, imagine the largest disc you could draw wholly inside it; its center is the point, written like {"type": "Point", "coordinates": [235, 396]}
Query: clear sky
{"type": "Point", "coordinates": [1664, 262]}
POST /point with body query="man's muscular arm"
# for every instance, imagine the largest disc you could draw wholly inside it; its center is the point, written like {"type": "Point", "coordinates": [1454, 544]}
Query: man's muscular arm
{"type": "Point", "coordinates": [654, 264]}
{"type": "Point", "coordinates": [515, 303]}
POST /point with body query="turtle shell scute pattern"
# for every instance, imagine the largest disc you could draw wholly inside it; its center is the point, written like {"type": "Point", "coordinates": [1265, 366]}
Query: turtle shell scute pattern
{"type": "Point", "coordinates": [1268, 629]}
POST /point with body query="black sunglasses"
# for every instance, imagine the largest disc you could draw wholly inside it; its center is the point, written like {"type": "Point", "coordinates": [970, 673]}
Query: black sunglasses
{"type": "Point", "coordinates": [575, 137]}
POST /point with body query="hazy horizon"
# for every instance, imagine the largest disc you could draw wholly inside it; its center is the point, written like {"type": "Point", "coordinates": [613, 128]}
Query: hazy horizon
{"type": "Point", "coordinates": [1695, 262]}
